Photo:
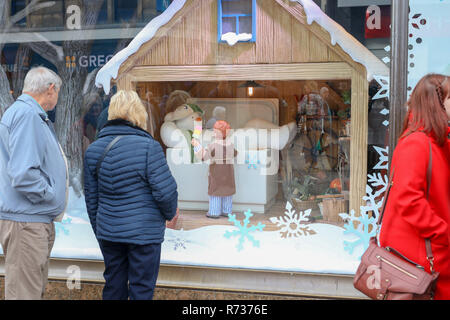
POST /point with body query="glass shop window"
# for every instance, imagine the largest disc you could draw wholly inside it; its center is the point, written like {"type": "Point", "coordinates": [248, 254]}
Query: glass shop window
{"type": "Point", "coordinates": [237, 21]}
{"type": "Point", "coordinates": [49, 17]}
{"type": "Point", "coordinates": [305, 160]}
{"type": "Point", "coordinates": [162, 5]}
{"type": "Point", "coordinates": [149, 10]}
{"type": "Point", "coordinates": [289, 177]}
{"type": "Point", "coordinates": [103, 14]}
{"type": "Point", "coordinates": [152, 8]}
{"type": "Point", "coordinates": [125, 10]}
{"type": "Point", "coordinates": [17, 6]}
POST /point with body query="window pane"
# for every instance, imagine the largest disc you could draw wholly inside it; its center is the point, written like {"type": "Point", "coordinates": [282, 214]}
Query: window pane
{"type": "Point", "coordinates": [52, 16]}
{"type": "Point", "coordinates": [237, 7]}
{"type": "Point", "coordinates": [149, 9]}
{"type": "Point", "coordinates": [103, 13]}
{"type": "Point", "coordinates": [245, 25]}
{"type": "Point", "coordinates": [125, 10]}
{"type": "Point", "coordinates": [17, 6]}
{"type": "Point", "coordinates": [228, 25]}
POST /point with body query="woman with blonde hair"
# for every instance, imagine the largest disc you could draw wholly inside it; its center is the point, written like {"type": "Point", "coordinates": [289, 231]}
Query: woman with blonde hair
{"type": "Point", "coordinates": [130, 194]}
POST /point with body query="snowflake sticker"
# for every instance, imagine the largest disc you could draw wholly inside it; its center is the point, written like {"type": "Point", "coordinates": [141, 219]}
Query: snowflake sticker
{"type": "Point", "coordinates": [252, 162]}
{"type": "Point", "coordinates": [179, 241]}
{"type": "Point", "coordinates": [60, 226]}
{"type": "Point", "coordinates": [373, 193]}
{"type": "Point", "coordinates": [383, 81]}
{"type": "Point", "coordinates": [291, 223]}
{"type": "Point", "coordinates": [364, 226]}
{"type": "Point", "coordinates": [387, 59]}
{"type": "Point", "coordinates": [365, 229]}
{"type": "Point", "coordinates": [383, 159]}
{"type": "Point", "coordinates": [385, 112]}
{"type": "Point", "coordinates": [244, 230]}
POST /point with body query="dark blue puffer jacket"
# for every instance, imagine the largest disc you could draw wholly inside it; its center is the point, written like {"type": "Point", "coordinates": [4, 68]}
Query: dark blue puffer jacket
{"type": "Point", "coordinates": [135, 192]}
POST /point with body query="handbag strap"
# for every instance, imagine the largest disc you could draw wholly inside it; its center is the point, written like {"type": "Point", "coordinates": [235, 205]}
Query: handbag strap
{"type": "Point", "coordinates": [430, 256]}
{"type": "Point", "coordinates": [108, 147]}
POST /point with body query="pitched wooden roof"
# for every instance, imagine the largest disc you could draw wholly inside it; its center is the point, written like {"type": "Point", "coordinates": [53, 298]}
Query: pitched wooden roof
{"type": "Point", "coordinates": [331, 34]}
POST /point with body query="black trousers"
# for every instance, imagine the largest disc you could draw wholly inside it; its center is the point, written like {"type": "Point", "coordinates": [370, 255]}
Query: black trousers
{"type": "Point", "coordinates": [130, 270]}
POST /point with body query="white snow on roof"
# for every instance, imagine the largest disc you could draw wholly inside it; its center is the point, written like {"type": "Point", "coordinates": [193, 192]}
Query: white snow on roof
{"type": "Point", "coordinates": [339, 35]}
{"type": "Point", "coordinates": [348, 43]}
{"type": "Point", "coordinates": [110, 70]}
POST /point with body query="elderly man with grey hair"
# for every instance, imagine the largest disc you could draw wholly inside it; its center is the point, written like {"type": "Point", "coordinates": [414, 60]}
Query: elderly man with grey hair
{"type": "Point", "coordinates": [33, 184]}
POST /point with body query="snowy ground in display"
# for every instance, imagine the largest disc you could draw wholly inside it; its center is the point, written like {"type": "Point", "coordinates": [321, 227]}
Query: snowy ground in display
{"type": "Point", "coordinates": [207, 246]}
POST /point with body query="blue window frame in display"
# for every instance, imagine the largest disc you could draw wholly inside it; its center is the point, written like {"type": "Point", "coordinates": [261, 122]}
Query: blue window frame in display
{"type": "Point", "coordinates": [238, 16]}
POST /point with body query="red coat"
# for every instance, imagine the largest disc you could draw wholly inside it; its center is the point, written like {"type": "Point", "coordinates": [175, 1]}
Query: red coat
{"type": "Point", "coordinates": [409, 218]}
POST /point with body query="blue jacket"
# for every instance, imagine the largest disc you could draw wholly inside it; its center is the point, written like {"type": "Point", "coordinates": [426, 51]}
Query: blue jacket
{"type": "Point", "coordinates": [135, 192]}
{"type": "Point", "coordinates": [32, 166]}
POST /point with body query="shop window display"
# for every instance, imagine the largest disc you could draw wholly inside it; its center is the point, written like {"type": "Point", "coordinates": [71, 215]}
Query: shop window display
{"type": "Point", "coordinates": [294, 133]}
{"type": "Point", "coordinates": [295, 174]}
{"type": "Point", "coordinates": [312, 132]}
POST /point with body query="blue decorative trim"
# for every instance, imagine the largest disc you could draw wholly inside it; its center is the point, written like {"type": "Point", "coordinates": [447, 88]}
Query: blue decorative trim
{"type": "Point", "coordinates": [219, 20]}
{"type": "Point", "coordinates": [237, 16]}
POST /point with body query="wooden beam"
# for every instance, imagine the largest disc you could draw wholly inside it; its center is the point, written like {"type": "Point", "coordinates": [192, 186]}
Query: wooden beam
{"type": "Point", "coordinates": [359, 140]}
{"type": "Point", "coordinates": [295, 71]}
{"type": "Point", "coordinates": [126, 83]}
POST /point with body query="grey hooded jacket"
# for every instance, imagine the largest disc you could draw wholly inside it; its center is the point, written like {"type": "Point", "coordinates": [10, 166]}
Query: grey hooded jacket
{"type": "Point", "coordinates": [32, 165]}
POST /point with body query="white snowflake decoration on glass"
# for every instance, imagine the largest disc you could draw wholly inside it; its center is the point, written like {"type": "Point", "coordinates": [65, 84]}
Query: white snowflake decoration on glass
{"type": "Point", "coordinates": [385, 112]}
{"type": "Point", "coordinates": [383, 81]}
{"type": "Point", "coordinates": [244, 230]}
{"type": "Point", "coordinates": [387, 59]}
{"type": "Point", "coordinates": [291, 223]}
{"type": "Point", "coordinates": [60, 227]}
{"type": "Point", "coordinates": [179, 241]}
{"type": "Point", "coordinates": [419, 33]}
{"type": "Point", "coordinates": [364, 225]}
{"type": "Point", "coordinates": [373, 206]}
{"type": "Point", "coordinates": [383, 159]}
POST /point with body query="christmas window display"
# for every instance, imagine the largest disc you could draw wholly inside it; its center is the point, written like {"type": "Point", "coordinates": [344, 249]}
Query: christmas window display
{"type": "Point", "coordinates": [298, 118]}
{"type": "Point", "coordinates": [292, 119]}
{"type": "Point", "coordinates": [300, 89]}
{"type": "Point", "coordinates": [305, 161]}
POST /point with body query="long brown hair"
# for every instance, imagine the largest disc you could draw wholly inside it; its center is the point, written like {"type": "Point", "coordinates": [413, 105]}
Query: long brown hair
{"type": "Point", "coordinates": [426, 109]}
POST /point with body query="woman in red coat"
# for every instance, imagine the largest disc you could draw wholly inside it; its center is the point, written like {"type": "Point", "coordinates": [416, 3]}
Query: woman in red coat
{"type": "Point", "coordinates": [410, 217]}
